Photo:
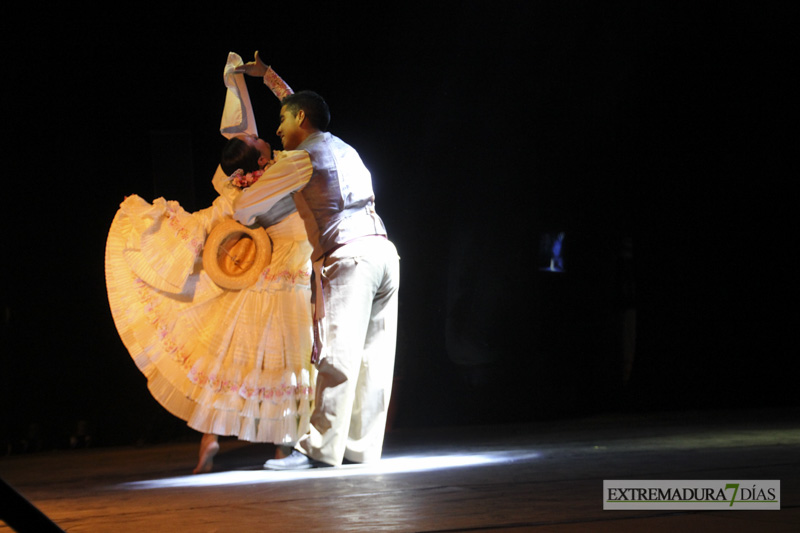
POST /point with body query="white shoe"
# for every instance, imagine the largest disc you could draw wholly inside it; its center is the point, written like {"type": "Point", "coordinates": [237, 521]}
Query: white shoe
{"type": "Point", "coordinates": [295, 461]}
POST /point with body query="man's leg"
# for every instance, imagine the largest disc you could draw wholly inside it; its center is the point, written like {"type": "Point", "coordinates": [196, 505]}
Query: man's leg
{"type": "Point", "coordinates": [374, 388]}
{"type": "Point", "coordinates": [349, 284]}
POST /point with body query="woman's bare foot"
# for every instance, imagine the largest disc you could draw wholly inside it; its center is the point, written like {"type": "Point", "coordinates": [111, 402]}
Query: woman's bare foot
{"type": "Point", "coordinates": [209, 446]}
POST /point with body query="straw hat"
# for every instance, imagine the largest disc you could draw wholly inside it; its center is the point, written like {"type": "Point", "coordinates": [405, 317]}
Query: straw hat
{"type": "Point", "coordinates": [235, 255]}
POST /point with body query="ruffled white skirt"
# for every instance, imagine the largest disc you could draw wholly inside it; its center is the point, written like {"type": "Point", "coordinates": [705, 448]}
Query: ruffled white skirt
{"type": "Point", "coordinates": [227, 362]}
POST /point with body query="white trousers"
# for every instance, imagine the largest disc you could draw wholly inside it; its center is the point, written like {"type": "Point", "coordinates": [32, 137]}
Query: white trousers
{"type": "Point", "coordinates": [360, 281]}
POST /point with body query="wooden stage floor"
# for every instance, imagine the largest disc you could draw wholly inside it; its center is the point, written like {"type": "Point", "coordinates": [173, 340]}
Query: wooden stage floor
{"type": "Point", "coordinates": [543, 477]}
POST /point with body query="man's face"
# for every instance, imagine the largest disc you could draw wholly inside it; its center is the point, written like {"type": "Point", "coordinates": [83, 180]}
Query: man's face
{"type": "Point", "coordinates": [262, 146]}
{"type": "Point", "coordinates": [289, 130]}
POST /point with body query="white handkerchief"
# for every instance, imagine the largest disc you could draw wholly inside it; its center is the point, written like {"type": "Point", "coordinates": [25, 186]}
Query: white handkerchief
{"type": "Point", "coordinates": [237, 117]}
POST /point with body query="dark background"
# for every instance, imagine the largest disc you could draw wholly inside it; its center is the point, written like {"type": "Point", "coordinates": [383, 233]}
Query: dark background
{"type": "Point", "coordinates": [656, 135]}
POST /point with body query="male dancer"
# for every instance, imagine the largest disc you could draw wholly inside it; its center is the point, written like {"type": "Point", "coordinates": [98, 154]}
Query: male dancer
{"type": "Point", "coordinates": [357, 278]}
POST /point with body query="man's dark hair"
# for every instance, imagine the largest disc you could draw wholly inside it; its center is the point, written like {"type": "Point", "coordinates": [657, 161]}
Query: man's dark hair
{"type": "Point", "coordinates": [313, 105]}
{"type": "Point", "coordinates": [238, 154]}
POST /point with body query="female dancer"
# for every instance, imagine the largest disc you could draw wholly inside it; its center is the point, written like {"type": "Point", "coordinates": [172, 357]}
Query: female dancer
{"type": "Point", "coordinates": [226, 358]}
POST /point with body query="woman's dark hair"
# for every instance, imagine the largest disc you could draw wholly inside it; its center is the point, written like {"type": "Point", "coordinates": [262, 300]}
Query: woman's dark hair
{"type": "Point", "coordinates": [238, 154]}
{"type": "Point", "coordinates": [313, 105]}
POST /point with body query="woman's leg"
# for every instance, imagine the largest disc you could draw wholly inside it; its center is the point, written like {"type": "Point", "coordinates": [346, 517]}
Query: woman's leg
{"type": "Point", "coordinates": [209, 446]}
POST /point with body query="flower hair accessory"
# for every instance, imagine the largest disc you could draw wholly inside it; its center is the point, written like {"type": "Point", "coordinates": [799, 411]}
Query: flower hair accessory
{"type": "Point", "coordinates": [242, 180]}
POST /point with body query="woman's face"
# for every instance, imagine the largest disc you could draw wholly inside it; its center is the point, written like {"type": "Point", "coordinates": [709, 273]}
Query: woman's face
{"type": "Point", "coordinates": [262, 146]}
